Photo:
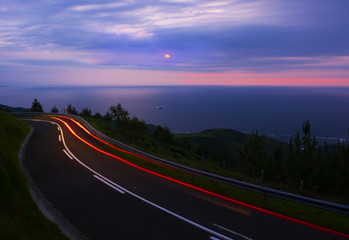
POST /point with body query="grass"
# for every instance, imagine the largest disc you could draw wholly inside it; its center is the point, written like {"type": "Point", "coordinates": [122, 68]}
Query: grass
{"type": "Point", "coordinates": [327, 219]}
{"type": "Point", "coordinates": [20, 217]}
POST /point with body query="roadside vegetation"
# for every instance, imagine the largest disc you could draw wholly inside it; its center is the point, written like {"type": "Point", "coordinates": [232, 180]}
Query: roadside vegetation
{"type": "Point", "coordinates": [302, 166]}
{"type": "Point", "coordinates": [20, 218]}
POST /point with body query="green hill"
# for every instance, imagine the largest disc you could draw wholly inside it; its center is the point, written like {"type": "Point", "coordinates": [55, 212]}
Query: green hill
{"type": "Point", "coordinates": [222, 141]}
{"type": "Point", "coordinates": [20, 218]}
{"type": "Point", "coordinates": [13, 109]}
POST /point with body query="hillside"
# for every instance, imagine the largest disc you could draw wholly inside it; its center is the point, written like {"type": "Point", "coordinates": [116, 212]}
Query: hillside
{"type": "Point", "coordinates": [13, 109]}
{"type": "Point", "coordinates": [222, 141]}
{"type": "Point", "coordinates": [20, 217]}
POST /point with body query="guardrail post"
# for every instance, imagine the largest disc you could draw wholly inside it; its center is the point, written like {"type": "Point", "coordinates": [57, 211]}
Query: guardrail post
{"type": "Point", "coordinates": [265, 197]}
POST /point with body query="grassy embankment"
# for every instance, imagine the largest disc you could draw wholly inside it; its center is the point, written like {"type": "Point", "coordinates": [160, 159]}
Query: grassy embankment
{"type": "Point", "coordinates": [20, 218]}
{"type": "Point", "coordinates": [338, 222]}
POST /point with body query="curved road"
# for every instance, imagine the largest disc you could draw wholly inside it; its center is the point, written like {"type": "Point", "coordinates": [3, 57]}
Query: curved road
{"type": "Point", "coordinates": [106, 198]}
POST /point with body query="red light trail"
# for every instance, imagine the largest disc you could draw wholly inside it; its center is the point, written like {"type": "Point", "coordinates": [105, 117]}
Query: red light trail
{"type": "Point", "coordinates": [186, 184]}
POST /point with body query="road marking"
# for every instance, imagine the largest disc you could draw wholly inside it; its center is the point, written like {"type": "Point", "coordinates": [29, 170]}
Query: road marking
{"type": "Point", "coordinates": [59, 138]}
{"type": "Point", "coordinates": [231, 231]}
{"type": "Point", "coordinates": [225, 205]}
{"type": "Point", "coordinates": [241, 203]}
{"type": "Point", "coordinates": [145, 200]}
{"type": "Point", "coordinates": [214, 238]}
{"type": "Point", "coordinates": [113, 185]}
{"type": "Point", "coordinates": [67, 154]}
{"type": "Point", "coordinates": [221, 236]}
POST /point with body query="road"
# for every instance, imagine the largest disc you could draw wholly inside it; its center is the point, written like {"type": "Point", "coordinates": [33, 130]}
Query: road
{"type": "Point", "coordinates": [106, 198]}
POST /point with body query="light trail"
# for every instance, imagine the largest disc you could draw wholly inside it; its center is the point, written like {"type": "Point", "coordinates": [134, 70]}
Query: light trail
{"type": "Point", "coordinates": [67, 154]}
{"type": "Point", "coordinates": [108, 144]}
{"type": "Point", "coordinates": [123, 190]}
{"type": "Point", "coordinates": [201, 189]}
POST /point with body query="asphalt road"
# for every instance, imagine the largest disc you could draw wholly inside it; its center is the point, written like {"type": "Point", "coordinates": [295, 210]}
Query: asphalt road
{"type": "Point", "coordinates": [106, 198]}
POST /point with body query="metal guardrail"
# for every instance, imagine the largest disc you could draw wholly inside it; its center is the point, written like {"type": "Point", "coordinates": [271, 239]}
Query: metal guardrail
{"type": "Point", "coordinates": [329, 206]}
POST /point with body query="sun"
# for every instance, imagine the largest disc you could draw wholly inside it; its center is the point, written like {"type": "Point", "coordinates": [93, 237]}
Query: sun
{"type": "Point", "coordinates": [167, 56]}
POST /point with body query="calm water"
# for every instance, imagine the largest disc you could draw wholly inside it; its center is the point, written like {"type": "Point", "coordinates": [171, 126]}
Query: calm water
{"type": "Point", "coordinates": [278, 111]}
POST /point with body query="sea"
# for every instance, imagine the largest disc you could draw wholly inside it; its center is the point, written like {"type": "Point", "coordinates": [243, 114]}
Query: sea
{"type": "Point", "coordinates": [277, 112]}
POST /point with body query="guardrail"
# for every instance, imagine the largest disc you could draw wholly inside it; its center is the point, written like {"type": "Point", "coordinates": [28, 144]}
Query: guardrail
{"type": "Point", "coordinates": [329, 206]}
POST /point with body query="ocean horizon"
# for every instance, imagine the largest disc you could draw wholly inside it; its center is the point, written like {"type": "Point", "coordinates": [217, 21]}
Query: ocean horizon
{"type": "Point", "coordinates": [275, 111]}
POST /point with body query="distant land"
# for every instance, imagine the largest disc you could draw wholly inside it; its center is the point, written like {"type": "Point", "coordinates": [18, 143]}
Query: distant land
{"type": "Point", "coordinates": [223, 140]}
{"type": "Point", "coordinates": [13, 109]}
{"type": "Point", "coordinates": [214, 141]}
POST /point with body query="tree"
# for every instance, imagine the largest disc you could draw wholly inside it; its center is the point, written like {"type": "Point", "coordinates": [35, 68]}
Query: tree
{"type": "Point", "coordinates": [341, 157]}
{"type": "Point", "coordinates": [302, 157]}
{"type": "Point", "coordinates": [85, 112]}
{"type": "Point", "coordinates": [252, 156]}
{"type": "Point", "coordinates": [275, 165]}
{"type": "Point", "coordinates": [107, 116]}
{"type": "Point", "coordinates": [71, 110]}
{"type": "Point", "coordinates": [164, 135]}
{"type": "Point", "coordinates": [54, 110]}
{"type": "Point", "coordinates": [325, 178]}
{"type": "Point", "coordinates": [36, 106]}
{"type": "Point", "coordinates": [133, 129]}
{"type": "Point", "coordinates": [98, 115]}
{"type": "Point", "coordinates": [118, 113]}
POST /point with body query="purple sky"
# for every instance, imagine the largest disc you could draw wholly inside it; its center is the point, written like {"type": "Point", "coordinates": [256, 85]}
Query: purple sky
{"type": "Point", "coordinates": [236, 42]}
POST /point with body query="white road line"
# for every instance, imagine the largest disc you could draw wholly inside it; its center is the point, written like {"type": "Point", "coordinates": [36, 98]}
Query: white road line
{"type": "Point", "coordinates": [212, 232]}
{"type": "Point", "coordinates": [178, 216]}
{"type": "Point", "coordinates": [67, 154]}
{"type": "Point", "coordinates": [59, 138]}
{"type": "Point", "coordinates": [109, 181]}
{"type": "Point", "coordinates": [231, 231]}
{"type": "Point", "coordinates": [214, 238]}
{"type": "Point", "coordinates": [113, 186]}
{"type": "Point", "coordinates": [58, 129]}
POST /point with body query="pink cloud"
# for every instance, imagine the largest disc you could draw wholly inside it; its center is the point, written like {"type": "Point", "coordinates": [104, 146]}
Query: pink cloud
{"type": "Point", "coordinates": [131, 77]}
{"type": "Point", "coordinates": [287, 78]}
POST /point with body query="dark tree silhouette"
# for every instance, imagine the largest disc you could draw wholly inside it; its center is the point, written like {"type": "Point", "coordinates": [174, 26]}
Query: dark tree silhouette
{"type": "Point", "coordinates": [98, 115]}
{"type": "Point", "coordinates": [54, 109]}
{"type": "Point", "coordinates": [302, 157]}
{"type": "Point", "coordinates": [164, 135]}
{"type": "Point", "coordinates": [36, 106]}
{"type": "Point", "coordinates": [118, 113]}
{"type": "Point", "coordinates": [85, 112]}
{"type": "Point", "coordinates": [252, 156]}
{"type": "Point", "coordinates": [107, 116]}
{"type": "Point", "coordinates": [71, 110]}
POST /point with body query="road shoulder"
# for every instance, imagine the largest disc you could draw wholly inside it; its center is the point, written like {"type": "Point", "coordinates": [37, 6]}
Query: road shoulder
{"type": "Point", "coordinates": [45, 206]}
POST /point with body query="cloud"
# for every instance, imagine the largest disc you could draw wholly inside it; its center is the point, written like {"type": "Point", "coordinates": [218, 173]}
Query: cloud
{"type": "Point", "coordinates": [161, 15]}
{"type": "Point", "coordinates": [255, 36]}
{"type": "Point", "coordinates": [90, 7]}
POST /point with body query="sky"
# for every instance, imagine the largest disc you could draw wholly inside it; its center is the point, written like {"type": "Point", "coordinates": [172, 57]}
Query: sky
{"type": "Point", "coordinates": [236, 42]}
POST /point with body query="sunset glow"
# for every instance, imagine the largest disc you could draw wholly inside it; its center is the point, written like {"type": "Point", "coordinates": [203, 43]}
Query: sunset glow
{"type": "Point", "coordinates": [216, 43]}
